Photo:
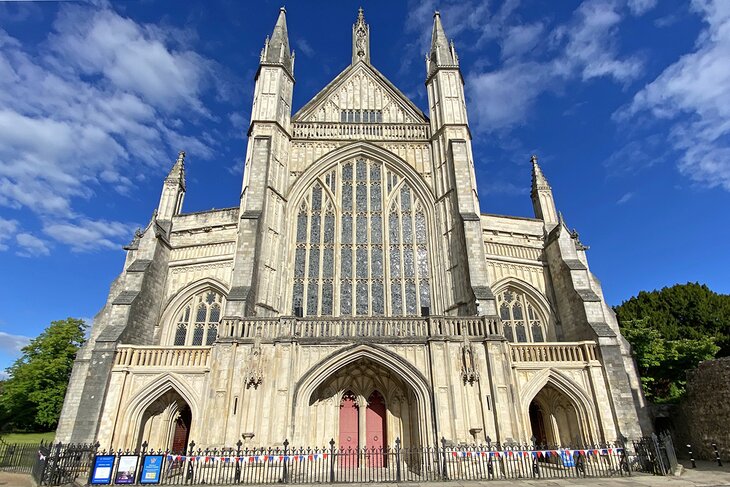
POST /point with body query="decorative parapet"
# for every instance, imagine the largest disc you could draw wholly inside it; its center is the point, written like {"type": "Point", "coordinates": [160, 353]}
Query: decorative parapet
{"type": "Point", "coordinates": [360, 131]}
{"type": "Point", "coordinates": [353, 328]}
{"type": "Point", "coordinates": [139, 356]}
{"type": "Point", "coordinates": [554, 352]}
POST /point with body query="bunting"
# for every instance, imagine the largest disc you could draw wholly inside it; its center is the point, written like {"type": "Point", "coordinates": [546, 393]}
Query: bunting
{"type": "Point", "coordinates": [313, 457]}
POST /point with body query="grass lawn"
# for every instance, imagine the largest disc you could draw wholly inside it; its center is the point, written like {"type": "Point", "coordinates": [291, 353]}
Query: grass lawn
{"type": "Point", "coordinates": [28, 437]}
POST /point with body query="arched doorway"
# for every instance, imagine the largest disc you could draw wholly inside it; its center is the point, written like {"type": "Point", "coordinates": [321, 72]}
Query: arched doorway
{"type": "Point", "coordinates": [554, 419]}
{"type": "Point", "coordinates": [165, 423]}
{"type": "Point", "coordinates": [372, 407]}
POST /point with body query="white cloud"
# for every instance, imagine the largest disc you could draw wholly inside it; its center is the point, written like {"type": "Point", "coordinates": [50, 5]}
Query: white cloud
{"type": "Point", "coordinates": [625, 198]}
{"type": "Point", "coordinates": [131, 57]}
{"type": "Point", "coordinates": [85, 235]}
{"type": "Point", "coordinates": [693, 94]}
{"type": "Point", "coordinates": [305, 47]}
{"type": "Point", "coordinates": [92, 107]}
{"type": "Point", "coordinates": [31, 246]}
{"type": "Point", "coordinates": [520, 39]}
{"type": "Point", "coordinates": [11, 344]}
{"type": "Point", "coordinates": [591, 42]}
{"type": "Point", "coordinates": [583, 48]}
{"type": "Point", "coordinates": [504, 95]}
{"type": "Point", "coordinates": [640, 7]}
{"type": "Point", "coordinates": [7, 230]}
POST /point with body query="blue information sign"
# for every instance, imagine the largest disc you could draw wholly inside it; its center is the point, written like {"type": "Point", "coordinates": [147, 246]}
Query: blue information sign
{"type": "Point", "coordinates": [101, 474]}
{"type": "Point", "coordinates": [151, 469]}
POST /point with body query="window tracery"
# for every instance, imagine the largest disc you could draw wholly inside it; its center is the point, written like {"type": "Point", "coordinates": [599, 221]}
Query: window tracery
{"type": "Point", "coordinates": [520, 317]}
{"type": "Point", "coordinates": [197, 322]}
{"type": "Point", "coordinates": [340, 264]}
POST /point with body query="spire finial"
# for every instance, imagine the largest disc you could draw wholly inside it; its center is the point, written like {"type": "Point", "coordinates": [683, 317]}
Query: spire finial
{"type": "Point", "coordinates": [181, 157]}
{"type": "Point", "coordinates": [276, 48]}
{"type": "Point", "coordinates": [442, 52]}
{"type": "Point", "coordinates": [360, 38]}
{"type": "Point", "coordinates": [539, 181]}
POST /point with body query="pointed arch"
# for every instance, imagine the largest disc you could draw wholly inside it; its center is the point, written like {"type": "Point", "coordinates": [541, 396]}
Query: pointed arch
{"type": "Point", "coordinates": [131, 414]}
{"type": "Point", "coordinates": [537, 300]}
{"type": "Point", "coordinates": [360, 148]}
{"type": "Point", "coordinates": [177, 301]}
{"type": "Point", "coordinates": [565, 385]}
{"type": "Point", "coordinates": [330, 365]}
{"type": "Point", "coordinates": [350, 274]}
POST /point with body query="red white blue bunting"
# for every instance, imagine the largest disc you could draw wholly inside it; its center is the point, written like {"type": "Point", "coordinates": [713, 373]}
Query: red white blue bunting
{"type": "Point", "coordinates": [514, 454]}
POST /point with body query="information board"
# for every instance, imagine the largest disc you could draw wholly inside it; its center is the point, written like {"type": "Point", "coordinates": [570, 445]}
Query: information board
{"type": "Point", "coordinates": [151, 469]}
{"type": "Point", "coordinates": [101, 473]}
{"type": "Point", "coordinates": [126, 469]}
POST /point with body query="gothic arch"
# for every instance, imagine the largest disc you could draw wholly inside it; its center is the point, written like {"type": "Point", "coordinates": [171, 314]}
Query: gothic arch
{"type": "Point", "coordinates": [527, 288]}
{"type": "Point", "coordinates": [350, 151]}
{"type": "Point", "coordinates": [544, 307]}
{"type": "Point", "coordinates": [131, 416]}
{"type": "Point", "coordinates": [330, 365]}
{"type": "Point", "coordinates": [176, 302]}
{"type": "Point", "coordinates": [562, 383]}
{"type": "Point", "coordinates": [317, 269]}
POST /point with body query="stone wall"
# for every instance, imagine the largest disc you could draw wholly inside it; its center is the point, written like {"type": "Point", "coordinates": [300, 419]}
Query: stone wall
{"type": "Point", "coordinates": [704, 413]}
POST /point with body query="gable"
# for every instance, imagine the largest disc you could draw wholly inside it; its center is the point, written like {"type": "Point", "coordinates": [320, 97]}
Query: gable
{"type": "Point", "coordinates": [362, 88]}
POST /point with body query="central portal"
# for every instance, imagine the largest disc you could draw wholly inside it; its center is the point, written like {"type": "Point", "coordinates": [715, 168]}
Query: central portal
{"type": "Point", "coordinates": [364, 405]}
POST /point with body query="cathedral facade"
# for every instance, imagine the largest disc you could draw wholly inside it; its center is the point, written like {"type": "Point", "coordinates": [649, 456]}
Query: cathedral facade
{"type": "Point", "coordinates": [357, 293]}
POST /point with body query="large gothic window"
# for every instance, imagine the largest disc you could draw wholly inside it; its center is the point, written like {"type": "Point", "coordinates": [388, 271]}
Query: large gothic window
{"type": "Point", "coordinates": [197, 322]}
{"type": "Point", "coordinates": [520, 317]}
{"type": "Point", "coordinates": [361, 245]}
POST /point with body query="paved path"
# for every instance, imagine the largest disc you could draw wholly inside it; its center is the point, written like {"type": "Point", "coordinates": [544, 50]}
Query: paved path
{"type": "Point", "coordinates": [8, 479]}
{"type": "Point", "coordinates": [707, 475]}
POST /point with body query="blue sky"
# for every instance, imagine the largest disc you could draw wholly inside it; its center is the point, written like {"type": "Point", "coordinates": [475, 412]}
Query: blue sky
{"type": "Point", "coordinates": [626, 102]}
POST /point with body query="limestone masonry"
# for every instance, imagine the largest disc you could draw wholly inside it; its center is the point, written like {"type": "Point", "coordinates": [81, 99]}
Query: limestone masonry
{"type": "Point", "coordinates": [356, 293]}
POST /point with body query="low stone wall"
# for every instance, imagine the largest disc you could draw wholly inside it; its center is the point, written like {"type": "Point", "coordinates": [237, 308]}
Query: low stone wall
{"type": "Point", "coordinates": [704, 414]}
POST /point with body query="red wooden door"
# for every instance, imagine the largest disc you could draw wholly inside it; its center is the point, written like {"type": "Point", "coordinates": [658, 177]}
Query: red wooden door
{"type": "Point", "coordinates": [348, 422]}
{"type": "Point", "coordinates": [181, 431]}
{"type": "Point", "coordinates": [375, 429]}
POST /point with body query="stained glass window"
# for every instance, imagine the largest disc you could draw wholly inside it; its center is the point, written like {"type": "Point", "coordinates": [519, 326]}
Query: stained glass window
{"type": "Point", "coordinates": [369, 258]}
{"type": "Point", "coordinates": [197, 323]}
{"type": "Point", "coordinates": [520, 317]}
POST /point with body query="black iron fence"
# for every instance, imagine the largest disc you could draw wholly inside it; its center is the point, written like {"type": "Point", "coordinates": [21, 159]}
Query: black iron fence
{"type": "Point", "coordinates": [18, 457]}
{"type": "Point", "coordinates": [655, 454]}
{"type": "Point", "coordinates": [237, 465]}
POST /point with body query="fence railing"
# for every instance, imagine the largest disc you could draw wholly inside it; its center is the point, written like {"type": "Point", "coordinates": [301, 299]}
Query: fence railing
{"type": "Point", "coordinates": [18, 457]}
{"type": "Point", "coordinates": [554, 352]}
{"type": "Point", "coordinates": [142, 356]}
{"type": "Point", "coordinates": [341, 328]}
{"type": "Point", "coordinates": [656, 454]}
{"type": "Point", "coordinates": [329, 464]}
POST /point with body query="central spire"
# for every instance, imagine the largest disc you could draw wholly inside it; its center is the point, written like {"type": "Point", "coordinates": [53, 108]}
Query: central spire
{"type": "Point", "coordinates": [360, 39]}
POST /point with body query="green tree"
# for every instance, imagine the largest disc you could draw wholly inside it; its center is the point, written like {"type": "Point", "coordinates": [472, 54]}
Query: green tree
{"type": "Point", "coordinates": [683, 311]}
{"type": "Point", "coordinates": [671, 331]}
{"type": "Point", "coordinates": [32, 396]}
